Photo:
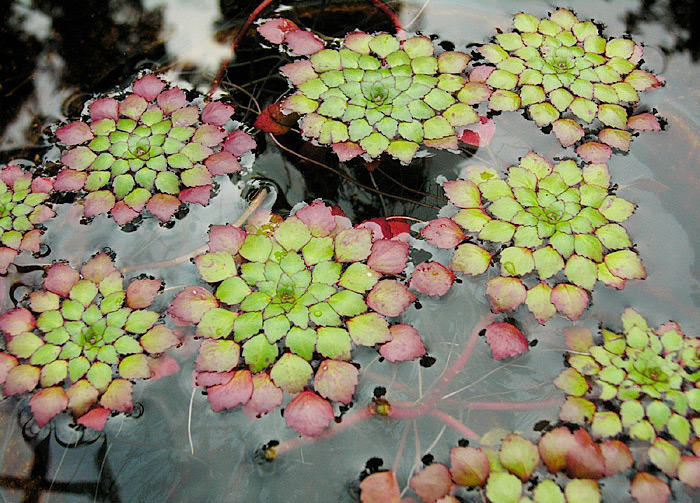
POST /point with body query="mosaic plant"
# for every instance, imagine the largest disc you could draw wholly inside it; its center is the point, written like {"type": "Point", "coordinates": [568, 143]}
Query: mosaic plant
{"type": "Point", "coordinates": [376, 93]}
{"type": "Point", "coordinates": [652, 376]}
{"type": "Point", "coordinates": [568, 75]}
{"type": "Point", "coordinates": [557, 223]}
{"type": "Point", "coordinates": [148, 149]}
{"type": "Point", "coordinates": [23, 208]}
{"type": "Point", "coordinates": [80, 342]}
{"type": "Point", "coordinates": [286, 302]}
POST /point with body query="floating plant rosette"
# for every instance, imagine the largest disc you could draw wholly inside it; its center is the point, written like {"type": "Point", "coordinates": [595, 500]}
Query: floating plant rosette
{"type": "Point", "coordinates": [567, 75]}
{"type": "Point", "coordinates": [286, 302]}
{"type": "Point", "coordinates": [23, 208]}
{"type": "Point", "coordinates": [148, 149]}
{"type": "Point", "coordinates": [81, 341]}
{"type": "Point", "coordinates": [553, 228]}
{"type": "Point", "coordinates": [653, 376]}
{"type": "Point", "coordinates": [376, 93]}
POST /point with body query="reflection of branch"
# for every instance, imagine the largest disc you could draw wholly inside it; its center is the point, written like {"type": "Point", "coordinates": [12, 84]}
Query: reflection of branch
{"type": "Point", "coordinates": [348, 178]}
{"type": "Point", "coordinates": [405, 187]}
{"type": "Point", "coordinates": [252, 207]}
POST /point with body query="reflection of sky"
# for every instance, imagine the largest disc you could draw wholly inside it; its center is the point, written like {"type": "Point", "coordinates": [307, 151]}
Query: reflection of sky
{"type": "Point", "coordinates": [189, 32]}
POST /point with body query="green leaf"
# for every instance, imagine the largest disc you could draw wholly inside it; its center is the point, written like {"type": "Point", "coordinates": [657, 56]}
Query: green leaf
{"type": "Point", "coordinates": [232, 291]}
{"type": "Point", "coordinates": [291, 373]}
{"type": "Point", "coordinates": [334, 343]}
{"type": "Point", "coordinates": [348, 303]}
{"type": "Point", "coordinates": [216, 323]}
{"type": "Point", "coordinates": [99, 375]}
{"type": "Point", "coordinates": [259, 353]}
{"type": "Point", "coordinates": [503, 487]}
{"type": "Point", "coordinates": [301, 341]}
{"type": "Point", "coordinates": [276, 327]}
{"type": "Point", "coordinates": [256, 248]}
{"type": "Point", "coordinates": [140, 321]}
{"type": "Point", "coordinates": [247, 325]}
{"type": "Point", "coordinates": [357, 277]}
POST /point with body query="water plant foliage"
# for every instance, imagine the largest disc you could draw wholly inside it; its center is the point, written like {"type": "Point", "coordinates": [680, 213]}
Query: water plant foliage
{"type": "Point", "coordinates": [152, 150]}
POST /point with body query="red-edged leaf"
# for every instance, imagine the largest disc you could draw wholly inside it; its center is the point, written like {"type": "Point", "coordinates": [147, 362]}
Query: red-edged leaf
{"type": "Point", "coordinates": [443, 233]}
{"type": "Point", "coordinates": [390, 298]}
{"type": "Point", "coordinates": [303, 42]}
{"type": "Point", "coordinates": [405, 344]}
{"type": "Point", "coordinates": [432, 482]}
{"type": "Point", "coordinates": [618, 457]}
{"type": "Point", "coordinates": [266, 396]}
{"type": "Point", "coordinates": [646, 488]}
{"type": "Point", "coordinates": [479, 134]}
{"type": "Point", "coordinates": [141, 292]}
{"type": "Point", "coordinates": [505, 293]}
{"type": "Point", "coordinates": [308, 414]}
{"type": "Point", "coordinates": [380, 487]}
{"type": "Point", "coordinates": [275, 30]}
{"type": "Point", "coordinates": [388, 256]}
{"type": "Point", "coordinates": [188, 306]}
{"type": "Point", "coordinates": [570, 300]}
{"type": "Point", "coordinates": [48, 403]}
{"type": "Point", "coordinates": [239, 142]}
{"type": "Point", "coordinates": [163, 206]}
{"type": "Point", "coordinates": [645, 121]}
{"type": "Point", "coordinates": [594, 152]}
{"type": "Point", "coordinates": [505, 340]}
{"type": "Point", "coordinates": [235, 392]}
{"type": "Point", "coordinates": [217, 113]}
{"type": "Point", "coordinates": [74, 133]}
{"type": "Point", "coordinates": [118, 396]}
{"type": "Point", "coordinates": [95, 419]}
{"type": "Point", "coordinates": [149, 87]}
{"type": "Point", "coordinates": [432, 278]}
{"type": "Point", "coordinates": [336, 380]}
{"type": "Point", "coordinates": [104, 108]}
{"type": "Point", "coordinates": [60, 278]}
{"type": "Point", "coordinates": [17, 321]}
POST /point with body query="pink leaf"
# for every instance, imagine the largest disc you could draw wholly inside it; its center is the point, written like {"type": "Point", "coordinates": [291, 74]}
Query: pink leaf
{"type": "Point", "coordinates": [594, 152]}
{"type": "Point", "coordinates": [98, 202]}
{"type": "Point", "coordinates": [186, 116]}
{"type": "Point", "coordinates": [217, 113]}
{"type": "Point", "coordinates": [11, 173]}
{"type": "Point", "coordinates": [336, 380]}
{"type": "Point", "coordinates": [70, 180]}
{"type": "Point", "coordinates": [266, 396]}
{"type": "Point", "coordinates": [188, 306]}
{"type": "Point", "coordinates": [7, 363]}
{"type": "Point", "coordinates": [104, 108]}
{"type": "Point", "coordinates": [149, 87]}
{"type": "Point", "coordinates": [388, 256]}
{"type": "Point", "coordinates": [17, 321]}
{"type": "Point", "coordinates": [481, 73]}
{"type": "Point", "coordinates": [133, 106]}
{"type": "Point", "coordinates": [469, 466]}
{"type": "Point", "coordinates": [299, 71]}
{"type": "Point", "coordinates": [405, 344]}
{"type": "Point", "coordinates": [60, 278]}
{"type": "Point", "coordinates": [317, 217]}
{"type": "Point", "coordinates": [163, 206]}
{"type": "Point", "coordinates": [432, 278]}
{"type": "Point", "coordinates": [432, 483]}
{"type": "Point", "coordinates": [239, 142]}
{"type": "Point", "coordinates": [74, 133]}
{"type": "Point", "coordinates": [226, 238]}
{"type": "Point", "coordinates": [303, 42]}
{"type": "Point", "coordinates": [275, 30]}
{"type": "Point", "coordinates": [122, 213]}
{"type": "Point", "coordinates": [616, 138]}
{"type": "Point", "coordinates": [645, 121]}
{"type": "Point", "coordinates": [47, 404]}
{"type": "Point", "coordinates": [553, 447]}
{"type": "Point", "coordinates": [505, 340]}
{"type": "Point", "coordinates": [222, 163]}
{"type": "Point", "coordinates": [570, 300]}
{"type": "Point", "coordinates": [584, 459]}
{"type": "Point", "coordinates": [7, 255]}
{"type": "Point", "coordinates": [347, 150]}
{"type": "Point", "coordinates": [141, 292]}
{"type": "Point", "coordinates": [618, 457]}
{"type": "Point", "coordinates": [198, 195]}
{"type": "Point", "coordinates": [646, 488]}
{"type": "Point", "coordinates": [689, 471]}
{"type": "Point", "coordinates": [505, 293]}
{"type": "Point", "coordinates": [81, 396]}
{"type": "Point", "coordinates": [443, 233]}
{"type": "Point", "coordinates": [171, 99]}
{"type": "Point", "coordinates": [42, 184]}
{"type": "Point", "coordinates": [308, 414]}
{"type": "Point", "coordinates": [162, 366]}
{"type": "Point", "coordinates": [479, 134]}
{"type": "Point", "coordinates": [235, 392]}
{"type": "Point", "coordinates": [380, 487]}
{"type": "Point", "coordinates": [95, 419]}
{"type": "Point", "coordinates": [206, 379]}
{"type": "Point", "coordinates": [390, 298]}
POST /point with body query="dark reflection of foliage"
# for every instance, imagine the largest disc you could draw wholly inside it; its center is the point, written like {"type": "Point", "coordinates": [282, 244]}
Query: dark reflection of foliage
{"type": "Point", "coordinates": [99, 51]}
{"type": "Point", "coordinates": [255, 71]}
{"type": "Point", "coordinates": [679, 16]}
{"type": "Point", "coordinates": [17, 61]}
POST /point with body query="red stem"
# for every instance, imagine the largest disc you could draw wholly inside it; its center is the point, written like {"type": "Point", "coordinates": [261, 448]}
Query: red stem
{"type": "Point", "coordinates": [220, 74]}
{"type": "Point", "coordinates": [511, 405]}
{"type": "Point", "coordinates": [392, 15]}
{"type": "Point", "coordinates": [454, 423]}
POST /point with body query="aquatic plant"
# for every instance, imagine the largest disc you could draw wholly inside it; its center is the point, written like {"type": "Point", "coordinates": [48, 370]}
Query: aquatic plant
{"type": "Point", "coordinates": [376, 93]}
{"type": "Point", "coordinates": [652, 376]}
{"type": "Point", "coordinates": [80, 341]}
{"type": "Point", "coordinates": [567, 75]}
{"type": "Point", "coordinates": [558, 223]}
{"type": "Point", "coordinates": [286, 302]}
{"type": "Point", "coordinates": [152, 149]}
{"type": "Point", "coordinates": [23, 208]}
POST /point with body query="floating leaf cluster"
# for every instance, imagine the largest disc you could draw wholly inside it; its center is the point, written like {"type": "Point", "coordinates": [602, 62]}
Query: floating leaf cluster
{"type": "Point", "coordinates": [562, 466]}
{"type": "Point", "coordinates": [652, 376]}
{"type": "Point", "coordinates": [150, 150]}
{"type": "Point", "coordinates": [378, 93]}
{"type": "Point", "coordinates": [287, 301]}
{"type": "Point", "coordinates": [565, 73]}
{"type": "Point", "coordinates": [23, 208]}
{"type": "Point", "coordinates": [81, 341]}
{"type": "Point", "coordinates": [557, 223]}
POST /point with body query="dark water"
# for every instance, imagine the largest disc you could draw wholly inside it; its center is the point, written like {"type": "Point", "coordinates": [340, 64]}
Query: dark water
{"type": "Point", "coordinates": [57, 54]}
